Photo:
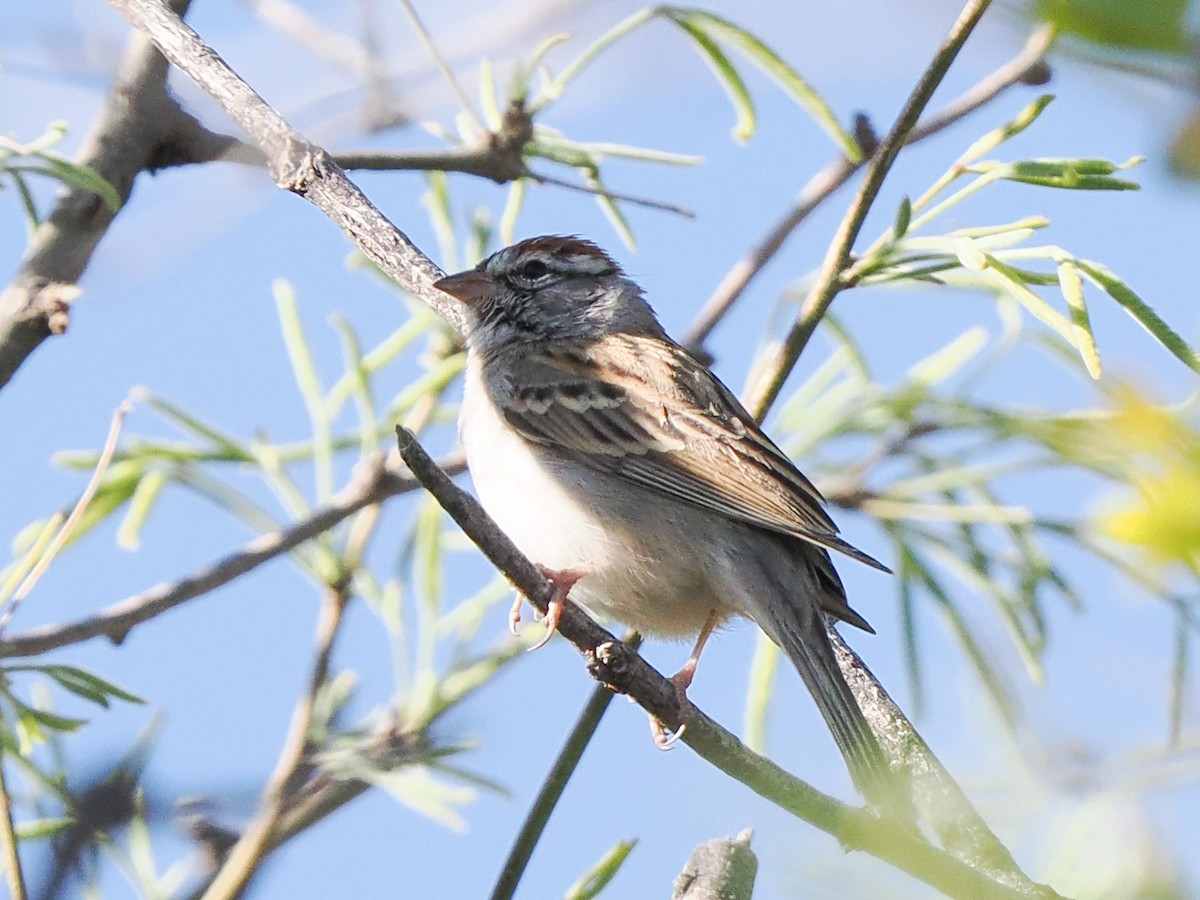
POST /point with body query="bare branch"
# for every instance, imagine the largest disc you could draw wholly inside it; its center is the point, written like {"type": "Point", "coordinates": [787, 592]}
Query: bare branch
{"type": "Point", "coordinates": [295, 164]}
{"type": "Point", "coordinates": [373, 484]}
{"type": "Point", "coordinates": [131, 135]}
{"type": "Point", "coordinates": [1027, 67]}
{"type": "Point", "coordinates": [614, 664]}
{"type": "Point", "coordinates": [827, 284]}
{"type": "Point", "coordinates": [553, 785]}
{"type": "Point", "coordinates": [255, 843]}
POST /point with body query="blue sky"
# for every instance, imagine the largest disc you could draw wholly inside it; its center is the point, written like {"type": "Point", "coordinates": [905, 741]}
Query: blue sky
{"type": "Point", "coordinates": [179, 299]}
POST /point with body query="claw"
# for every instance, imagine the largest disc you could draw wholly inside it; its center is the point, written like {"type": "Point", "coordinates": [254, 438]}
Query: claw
{"type": "Point", "coordinates": [553, 613]}
{"type": "Point", "coordinates": [562, 580]}
{"type": "Point", "coordinates": [514, 615]}
{"type": "Point", "coordinates": [682, 680]}
{"type": "Point", "coordinates": [663, 739]}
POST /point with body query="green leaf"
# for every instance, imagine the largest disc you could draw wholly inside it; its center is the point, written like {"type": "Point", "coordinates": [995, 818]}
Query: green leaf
{"type": "Point", "coordinates": [513, 204]}
{"type": "Point", "coordinates": [36, 829]}
{"type": "Point", "coordinates": [488, 98]}
{"type": "Point", "coordinates": [1159, 26]}
{"type": "Point", "coordinates": [419, 323]}
{"type": "Point", "coordinates": [305, 372]}
{"type": "Point", "coordinates": [612, 212]}
{"type": "Point", "coordinates": [415, 787]}
{"type": "Point", "coordinates": [74, 175]}
{"type": "Point", "coordinates": [32, 717]}
{"type": "Point", "coordinates": [949, 360]}
{"type": "Point", "coordinates": [598, 876]}
{"type": "Point", "coordinates": [922, 575]}
{"type": "Point", "coordinates": [226, 442]}
{"type": "Point", "coordinates": [1085, 340]}
{"type": "Point", "coordinates": [553, 89]}
{"type": "Point", "coordinates": [1136, 307]}
{"type": "Point", "coordinates": [1011, 282]}
{"type": "Point", "coordinates": [144, 497]}
{"type": "Point", "coordinates": [903, 218]}
{"type": "Point", "coordinates": [467, 678]}
{"type": "Point", "coordinates": [1069, 174]}
{"type": "Point", "coordinates": [32, 218]}
{"type": "Point", "coordinates": [783, 74]}
{"type": "Point", "coordinates": [28, 546]}
{"type": "Point", "coordinates": [117, 487]}
{"type": "Point", "coordinates": [81, 683]}
{"type": "Point", "coordinates": [1010, 129]}
{"type": "Point", "coordinates": [436, 201]}
{"type": "Point", "coordinates": [727, 75]}
{"type": "Point", "coordinates": [356, 370]}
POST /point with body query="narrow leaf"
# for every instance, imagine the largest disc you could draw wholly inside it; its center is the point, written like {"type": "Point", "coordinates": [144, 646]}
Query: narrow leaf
{"type": "Point", "coordinates": [1072, 289]}
{"type": "Point", "coordinates": [599, 875]}
{"type": "Point", "coordinates": [783, 74]}
{"type": "Point", "coordinates": [730, 80]}
{"type": "Point", "coordinates": [304, 370]}
{"type": "Point", "coordinates": [1136, 307]}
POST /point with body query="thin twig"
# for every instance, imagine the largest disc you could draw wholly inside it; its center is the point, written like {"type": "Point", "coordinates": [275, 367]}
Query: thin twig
{"type": "Point", "coordinates": [326, 43]}
{"type": "Point", "coordinates": [64, 533]}
{"type": "Point", "coordinates": [613, 664]}
{"type": "Point", "coordinates": [614, 195]}
{"type": "Point", "coordinates": [14, 875]}
{"type": "Point", "coordinates": [556, 781]}
{"type": "Point", "coordinates": [254, 844]}
{"type": "Point", "coordinates": [827, 285]}
{"type": "Point", "coordinates": [372, 484]}
{"type": "Point", "coordinates": [440, 62]}
{"type": "Point", "coordinates": [1024, 68]}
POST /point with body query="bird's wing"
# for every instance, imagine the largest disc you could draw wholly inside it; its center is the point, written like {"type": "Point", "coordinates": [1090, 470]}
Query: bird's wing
{"type": "Point", "coordinates": [643, 409]}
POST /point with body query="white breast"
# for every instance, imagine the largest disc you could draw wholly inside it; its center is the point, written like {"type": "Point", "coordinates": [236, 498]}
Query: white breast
{"type": "Point", "coordinates": [529, 504]}
{"type": "Point", "coordinates": [645, 563]}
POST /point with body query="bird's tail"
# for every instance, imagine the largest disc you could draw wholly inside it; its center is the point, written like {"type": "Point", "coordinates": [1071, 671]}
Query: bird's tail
{"type": "Point", "coordinates": [797, 625]}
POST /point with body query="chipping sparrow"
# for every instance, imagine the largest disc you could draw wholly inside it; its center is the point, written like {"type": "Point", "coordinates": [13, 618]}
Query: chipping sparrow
{"type": "Point", "coordinates": [621, 465]}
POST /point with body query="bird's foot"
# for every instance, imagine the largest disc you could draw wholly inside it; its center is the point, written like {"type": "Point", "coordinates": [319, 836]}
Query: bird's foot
{"type": "Point", "coordinates": [682, 680]}
{"type": "Point", "coordinates": [562, 580]}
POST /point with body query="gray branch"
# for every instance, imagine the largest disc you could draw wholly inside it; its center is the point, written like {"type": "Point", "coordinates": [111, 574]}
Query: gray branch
{"type": "Point", "coordinates": [721, 869]}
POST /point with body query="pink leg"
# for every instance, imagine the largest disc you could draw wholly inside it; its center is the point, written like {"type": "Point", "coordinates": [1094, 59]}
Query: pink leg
{"type": "Point", "coordinates": [682, 680]}
{"type": "Point", "coordinates": [562, 580]}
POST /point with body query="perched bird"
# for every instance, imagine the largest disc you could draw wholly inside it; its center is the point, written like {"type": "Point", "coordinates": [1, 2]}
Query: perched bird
{"type": "Point", "coordinates": [637, 481]}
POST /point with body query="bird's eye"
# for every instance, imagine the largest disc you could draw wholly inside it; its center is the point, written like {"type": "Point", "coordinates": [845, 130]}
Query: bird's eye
{"type": "Point", "coordinates": [533, 269]}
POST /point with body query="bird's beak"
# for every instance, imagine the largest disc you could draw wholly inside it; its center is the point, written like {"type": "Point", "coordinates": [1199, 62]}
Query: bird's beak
{"type": "Point", "coordinates": [467, 287]}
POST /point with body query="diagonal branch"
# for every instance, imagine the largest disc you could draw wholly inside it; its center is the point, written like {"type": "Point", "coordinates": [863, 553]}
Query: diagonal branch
{"type": "Point", "coordinates": [827, 284]}
{"type": "Point", "coordinates": [373, 484]}
{"type": "Point", "coordinates": [309, 171]}
{"type": "Point", "coordinates": [295, 164]}
{"type": "Point", "coordinates": [613, 663]}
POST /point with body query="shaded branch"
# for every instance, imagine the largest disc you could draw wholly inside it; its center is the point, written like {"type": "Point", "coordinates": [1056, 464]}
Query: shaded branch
{"type": "Point", "coordinates": [552, 787]}
{"type": "Point", "coordinates": [1027, 67]}
{"type": "Point", "coordinates": [612, 663]}
{"type": "Point", "coordinates": [373, 484]}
